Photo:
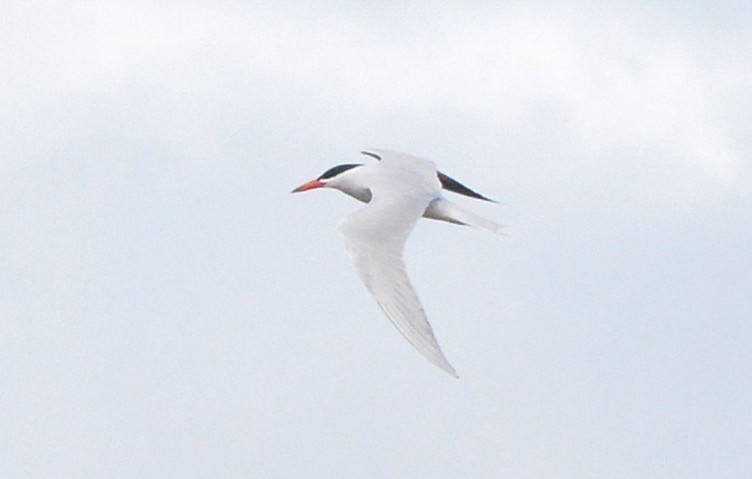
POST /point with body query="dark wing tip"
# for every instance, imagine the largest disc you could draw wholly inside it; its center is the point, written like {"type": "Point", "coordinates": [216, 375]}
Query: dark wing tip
{"type": "Point", "coordinates": [372, 155]}
{"type": "Point", "coordinates": [449, 183]}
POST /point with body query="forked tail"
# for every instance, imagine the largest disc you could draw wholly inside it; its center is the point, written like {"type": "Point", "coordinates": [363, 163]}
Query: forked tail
{"type": "Point", "coordinates": [444, 210]}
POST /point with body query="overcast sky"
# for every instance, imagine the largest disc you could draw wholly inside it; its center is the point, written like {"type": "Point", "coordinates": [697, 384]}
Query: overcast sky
{"type": "Point", "coordinates": [168, 309]}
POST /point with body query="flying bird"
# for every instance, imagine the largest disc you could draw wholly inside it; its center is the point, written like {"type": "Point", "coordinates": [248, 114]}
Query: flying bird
{"type": "Point", "coordinates": [399, 189]}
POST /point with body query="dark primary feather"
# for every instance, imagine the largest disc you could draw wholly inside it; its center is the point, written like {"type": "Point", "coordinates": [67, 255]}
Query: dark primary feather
{"type": "Point", "coordinates": [372, 155]}
{"type": "Point", "coordinates": [455, 186]}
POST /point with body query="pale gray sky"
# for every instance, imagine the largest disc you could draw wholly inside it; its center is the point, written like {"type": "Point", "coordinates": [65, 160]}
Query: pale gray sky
{"type": "Point", "coordinates": [168, 309]}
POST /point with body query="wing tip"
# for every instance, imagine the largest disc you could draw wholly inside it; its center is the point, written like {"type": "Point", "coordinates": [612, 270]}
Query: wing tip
{"type": "Point", "coordinates": [371, 154]}
{"type": "Point", "coordinates": [450, 184]}
{"type": "Point", "coordinates": [442, 363]}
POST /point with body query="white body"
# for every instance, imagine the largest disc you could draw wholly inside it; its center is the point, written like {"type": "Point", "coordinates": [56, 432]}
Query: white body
{"type": "Point", "coordinates": [401, 189]}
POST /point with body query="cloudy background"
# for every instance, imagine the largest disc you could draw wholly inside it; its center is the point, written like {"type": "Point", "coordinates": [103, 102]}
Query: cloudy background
{"type": "Point", "coordinates": [168, 309]}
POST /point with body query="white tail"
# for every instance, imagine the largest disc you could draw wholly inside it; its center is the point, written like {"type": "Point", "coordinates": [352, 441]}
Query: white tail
{"type": "Point", "coordinates": [444, 210]}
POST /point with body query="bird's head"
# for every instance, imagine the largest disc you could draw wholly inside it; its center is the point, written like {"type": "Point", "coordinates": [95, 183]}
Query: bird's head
{"type": "Point", "coordinates": [341, 177]}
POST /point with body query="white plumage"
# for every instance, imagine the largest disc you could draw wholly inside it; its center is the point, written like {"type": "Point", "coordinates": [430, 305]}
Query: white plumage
{"type": "Point", "coordinates": [399, 190]}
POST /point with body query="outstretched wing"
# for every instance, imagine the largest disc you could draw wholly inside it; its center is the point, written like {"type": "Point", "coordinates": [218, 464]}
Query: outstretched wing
{"type": "Point", "coordinates": [375, 237]}
{"type": "Point", "coordinates": [447, 182]}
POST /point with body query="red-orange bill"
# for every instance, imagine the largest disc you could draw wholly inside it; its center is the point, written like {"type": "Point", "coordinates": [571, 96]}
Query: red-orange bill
{"type": "Point", "coordinates": [309, 186]}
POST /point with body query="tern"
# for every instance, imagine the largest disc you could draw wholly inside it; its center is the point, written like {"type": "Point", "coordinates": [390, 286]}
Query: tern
{"type": "Point", "coordinates": [399, 189]}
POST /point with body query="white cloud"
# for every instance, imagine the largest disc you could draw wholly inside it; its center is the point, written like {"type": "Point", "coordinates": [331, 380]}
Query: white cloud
{"type": "Point", "coordinates": [618, 84]}
{"type": "Point", "coordinates": [622, 83]}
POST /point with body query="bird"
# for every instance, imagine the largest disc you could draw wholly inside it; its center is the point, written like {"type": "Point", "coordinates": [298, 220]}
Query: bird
{"type": "Point", "coordinates": [398, 190]}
